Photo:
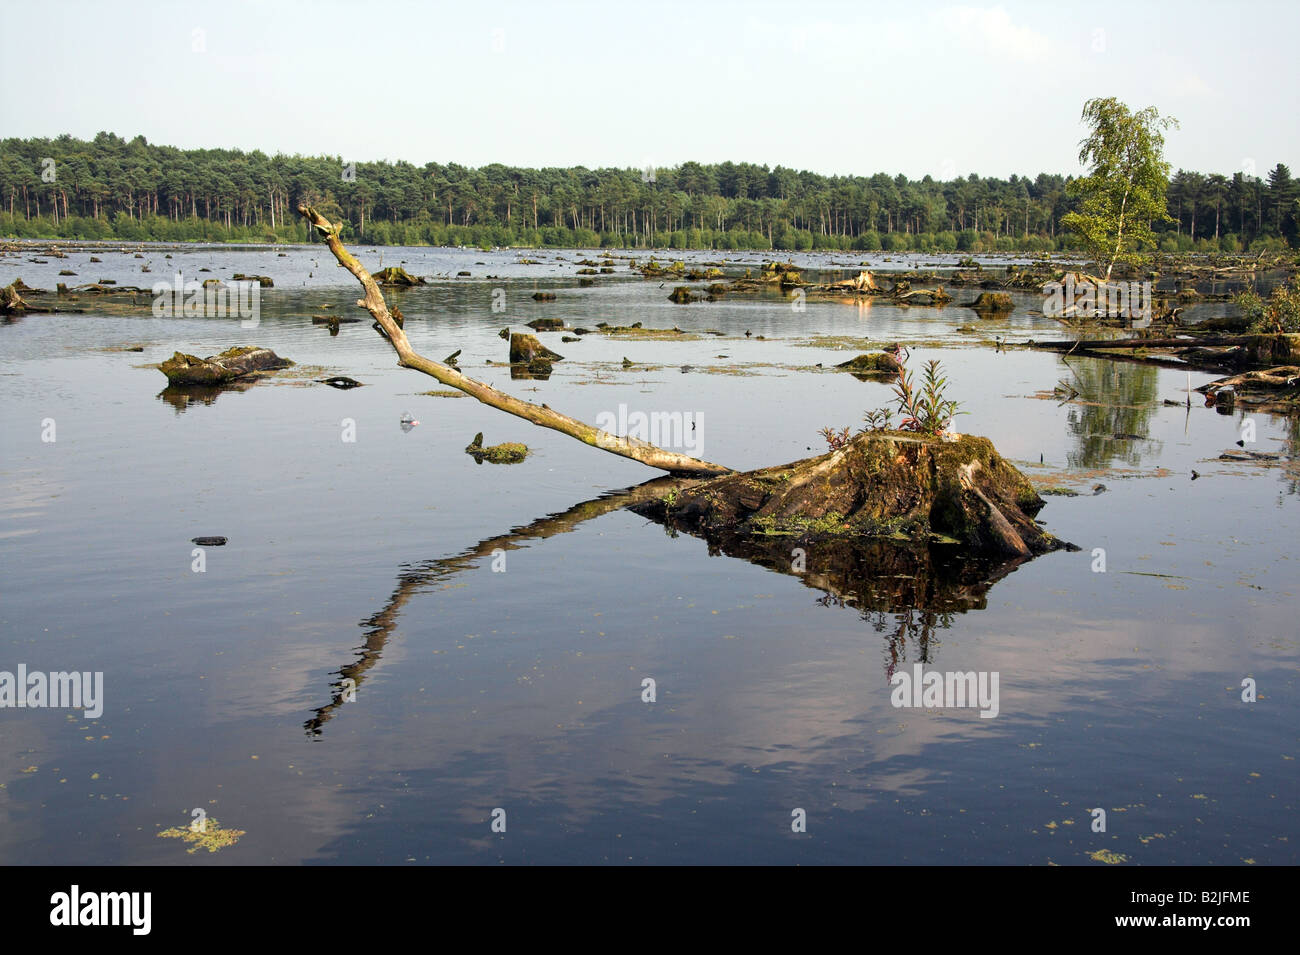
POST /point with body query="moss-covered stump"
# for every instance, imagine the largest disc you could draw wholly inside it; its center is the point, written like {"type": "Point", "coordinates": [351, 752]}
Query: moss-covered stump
{"type": "Point", "coordinates": [992, 303]}
{"type": "Point", "coordinates": [526, 348]}
{"type": "Point", "coordinates": [883, 484]}
{"type": "Point", "coordinates": [684, 295]}
{"type": "Point", "coordinates": [397, 276]}
{"type": "Point", "coordinates": [264, 281]}
{"type": "Point", "coordinates": [904, 294]}
{"type": "Point", "coordinates": [511, 452]}
{"type": "Point", "coordinates": [11, 303]}
{"type": "Point", "coordinates": [880, 364]}
{"type": "Point", "coordinates": [233, 363]}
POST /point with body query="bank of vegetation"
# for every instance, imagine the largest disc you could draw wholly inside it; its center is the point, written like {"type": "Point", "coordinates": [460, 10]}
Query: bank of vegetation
{"type": "Point", "coordinates": [113, 188]}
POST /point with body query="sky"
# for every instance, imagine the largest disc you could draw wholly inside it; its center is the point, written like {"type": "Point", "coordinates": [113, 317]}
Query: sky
{"type": "Point", "coordinates": [839, 88]}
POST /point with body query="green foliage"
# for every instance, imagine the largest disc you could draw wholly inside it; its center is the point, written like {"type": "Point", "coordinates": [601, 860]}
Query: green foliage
{"type": "Point", "coordinates": [835, 439]}
{"type": "Point", "coordinates": [926, 411]}
{"type": "Point", "coordinates": [878, 420]}
{"type": "Point", "coordinates": [1279, 313]}
{"type": "Point", "coordinates": [1127, 179]}
{"type": "Point", "coordinates": [111, 187]}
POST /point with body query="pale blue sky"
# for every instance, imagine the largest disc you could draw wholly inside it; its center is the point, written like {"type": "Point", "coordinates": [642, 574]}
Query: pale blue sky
{"type": "Point", "coordinates": [943, 89]}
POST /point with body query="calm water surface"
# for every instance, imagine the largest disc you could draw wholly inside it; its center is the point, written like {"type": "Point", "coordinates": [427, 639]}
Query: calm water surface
{"type": "Point", "coordinates": [373, 561]}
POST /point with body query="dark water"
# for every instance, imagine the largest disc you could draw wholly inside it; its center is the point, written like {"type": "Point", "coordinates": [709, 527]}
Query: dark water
{"type": "Point", "coordinates": [522, 690]}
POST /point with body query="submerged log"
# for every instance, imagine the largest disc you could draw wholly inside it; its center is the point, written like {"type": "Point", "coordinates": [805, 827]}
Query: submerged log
{"type": "Point", "coordinates": [233, 363]}
{"type": "Point", "coordinates": [889, 485]}
{"type": "Point", "coordinates": [1272, 390]}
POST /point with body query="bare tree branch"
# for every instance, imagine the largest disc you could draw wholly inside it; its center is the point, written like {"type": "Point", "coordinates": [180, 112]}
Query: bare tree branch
{"type": "Point", "coordinates": [540, 415]}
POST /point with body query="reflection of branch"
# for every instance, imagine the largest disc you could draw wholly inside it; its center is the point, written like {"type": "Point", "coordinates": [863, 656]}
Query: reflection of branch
{"type": "Point", "coordinates": [419, 577]}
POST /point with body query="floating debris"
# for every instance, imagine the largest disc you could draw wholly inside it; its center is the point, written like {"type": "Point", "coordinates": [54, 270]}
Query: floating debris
{"type": "Point", "coordinates": [208, 836]}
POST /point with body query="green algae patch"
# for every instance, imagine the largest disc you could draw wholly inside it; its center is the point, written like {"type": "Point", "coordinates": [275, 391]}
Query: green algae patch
{"type": "Point", "coordinates": [211, 837]}
{"type": "Point", "coordinates": [509, 453]}
{"type": "Point", "coordinates": [1108, 857]}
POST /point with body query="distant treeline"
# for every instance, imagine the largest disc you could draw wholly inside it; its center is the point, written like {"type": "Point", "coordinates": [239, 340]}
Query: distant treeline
{"type": "Point", "coordinates": [111, 188]}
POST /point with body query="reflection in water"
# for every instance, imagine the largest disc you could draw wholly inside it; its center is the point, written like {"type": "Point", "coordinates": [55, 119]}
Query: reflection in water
{"type": "Point", "coordinates": [420, 577]}
{"type": "Point", "coordinates": [181, 397]}
{"type": "Point", "coordinates": [922, 586]}
{"type": "Point", "coordinates": [1111, 418]}
{"type": "Point", "coordinates": [906, 590]}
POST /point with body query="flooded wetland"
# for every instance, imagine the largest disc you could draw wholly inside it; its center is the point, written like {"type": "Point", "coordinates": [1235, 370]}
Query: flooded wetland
{"type": "Point", "coordinates": [399, 645]}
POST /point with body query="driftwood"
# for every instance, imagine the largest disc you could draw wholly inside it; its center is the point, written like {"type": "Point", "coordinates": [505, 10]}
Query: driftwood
{"type": "Point", "coordinates": [541, 415]}
{"type": "Point", "coordinates": [10, 301]}
{"type": "Point", "coordinates": [1271, 390]}
{"type": "Point", "coordinates": [863, 283]}
{"type": "Point", "coordinates": [1237, 351]}
{"type": "Point", "coordinates": [182, 369]}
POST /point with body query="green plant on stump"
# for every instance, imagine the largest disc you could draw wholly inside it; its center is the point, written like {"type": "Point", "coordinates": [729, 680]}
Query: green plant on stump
{"type": "Point", "coordinates": [1278, 314]}
{"type": "Point", "coordinates": [835, 439]}
{"type": "Point", "coordinates": [927, 411]}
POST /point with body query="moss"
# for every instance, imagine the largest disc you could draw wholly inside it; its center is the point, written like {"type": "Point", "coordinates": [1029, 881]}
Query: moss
{"type": "Point", "coordinates": [212, 837]}
{"type": "Point", "coordinates": [508, 453]}
{"type": "Point", "coordinates": [1108, 857]}
{"type": "Point", "coordinates": [880, 363]}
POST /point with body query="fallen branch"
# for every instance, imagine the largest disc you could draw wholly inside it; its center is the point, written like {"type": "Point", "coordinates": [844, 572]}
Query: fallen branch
{"type": "Point", "coordinates": [540, 415]}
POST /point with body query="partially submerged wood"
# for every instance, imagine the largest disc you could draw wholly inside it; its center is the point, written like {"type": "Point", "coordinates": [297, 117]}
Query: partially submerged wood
{"type": "Point", "coordinates": [541, 415]}
{"type": "Point", "coordinates": [1272, 390]}
{"type": "Point", "coordinates": [992, 303]}
{"type": "Point", "coordinates": [1211, 351]}
{"type": "Point", "coordinates": [511, 452]}
{"type": "Point", "coordinates": [862, 283]}
{"type": "Point", "coordinates": [880, 365]}
{"type": "Point", "coordinates": [398, 276]}
{"type": "Point", "coordinates": [904, 294]}
{"type": "Point", "coordinates": [10, 301]}
{"type": "Point", "coordinates": [233, 363]}
{"type": "Point", "coordinates": [526, 348]}
{"type": "Point", "coordinates": [885, 485]}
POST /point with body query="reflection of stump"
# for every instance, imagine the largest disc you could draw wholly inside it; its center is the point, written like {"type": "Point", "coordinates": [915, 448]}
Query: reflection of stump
{"type": "Point", "coordinates": [883, 485]}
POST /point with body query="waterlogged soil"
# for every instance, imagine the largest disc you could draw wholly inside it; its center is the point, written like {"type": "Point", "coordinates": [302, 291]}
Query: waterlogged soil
{"type": "Point", "coordinates": [396, 642]}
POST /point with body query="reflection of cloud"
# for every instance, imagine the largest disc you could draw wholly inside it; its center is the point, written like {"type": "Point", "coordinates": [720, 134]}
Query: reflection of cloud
{"type": "Point", "coordinates": [990, 30]}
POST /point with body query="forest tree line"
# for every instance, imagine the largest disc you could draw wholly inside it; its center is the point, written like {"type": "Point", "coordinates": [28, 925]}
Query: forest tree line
{"type": "Point", "coordinates": [112, 188]}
